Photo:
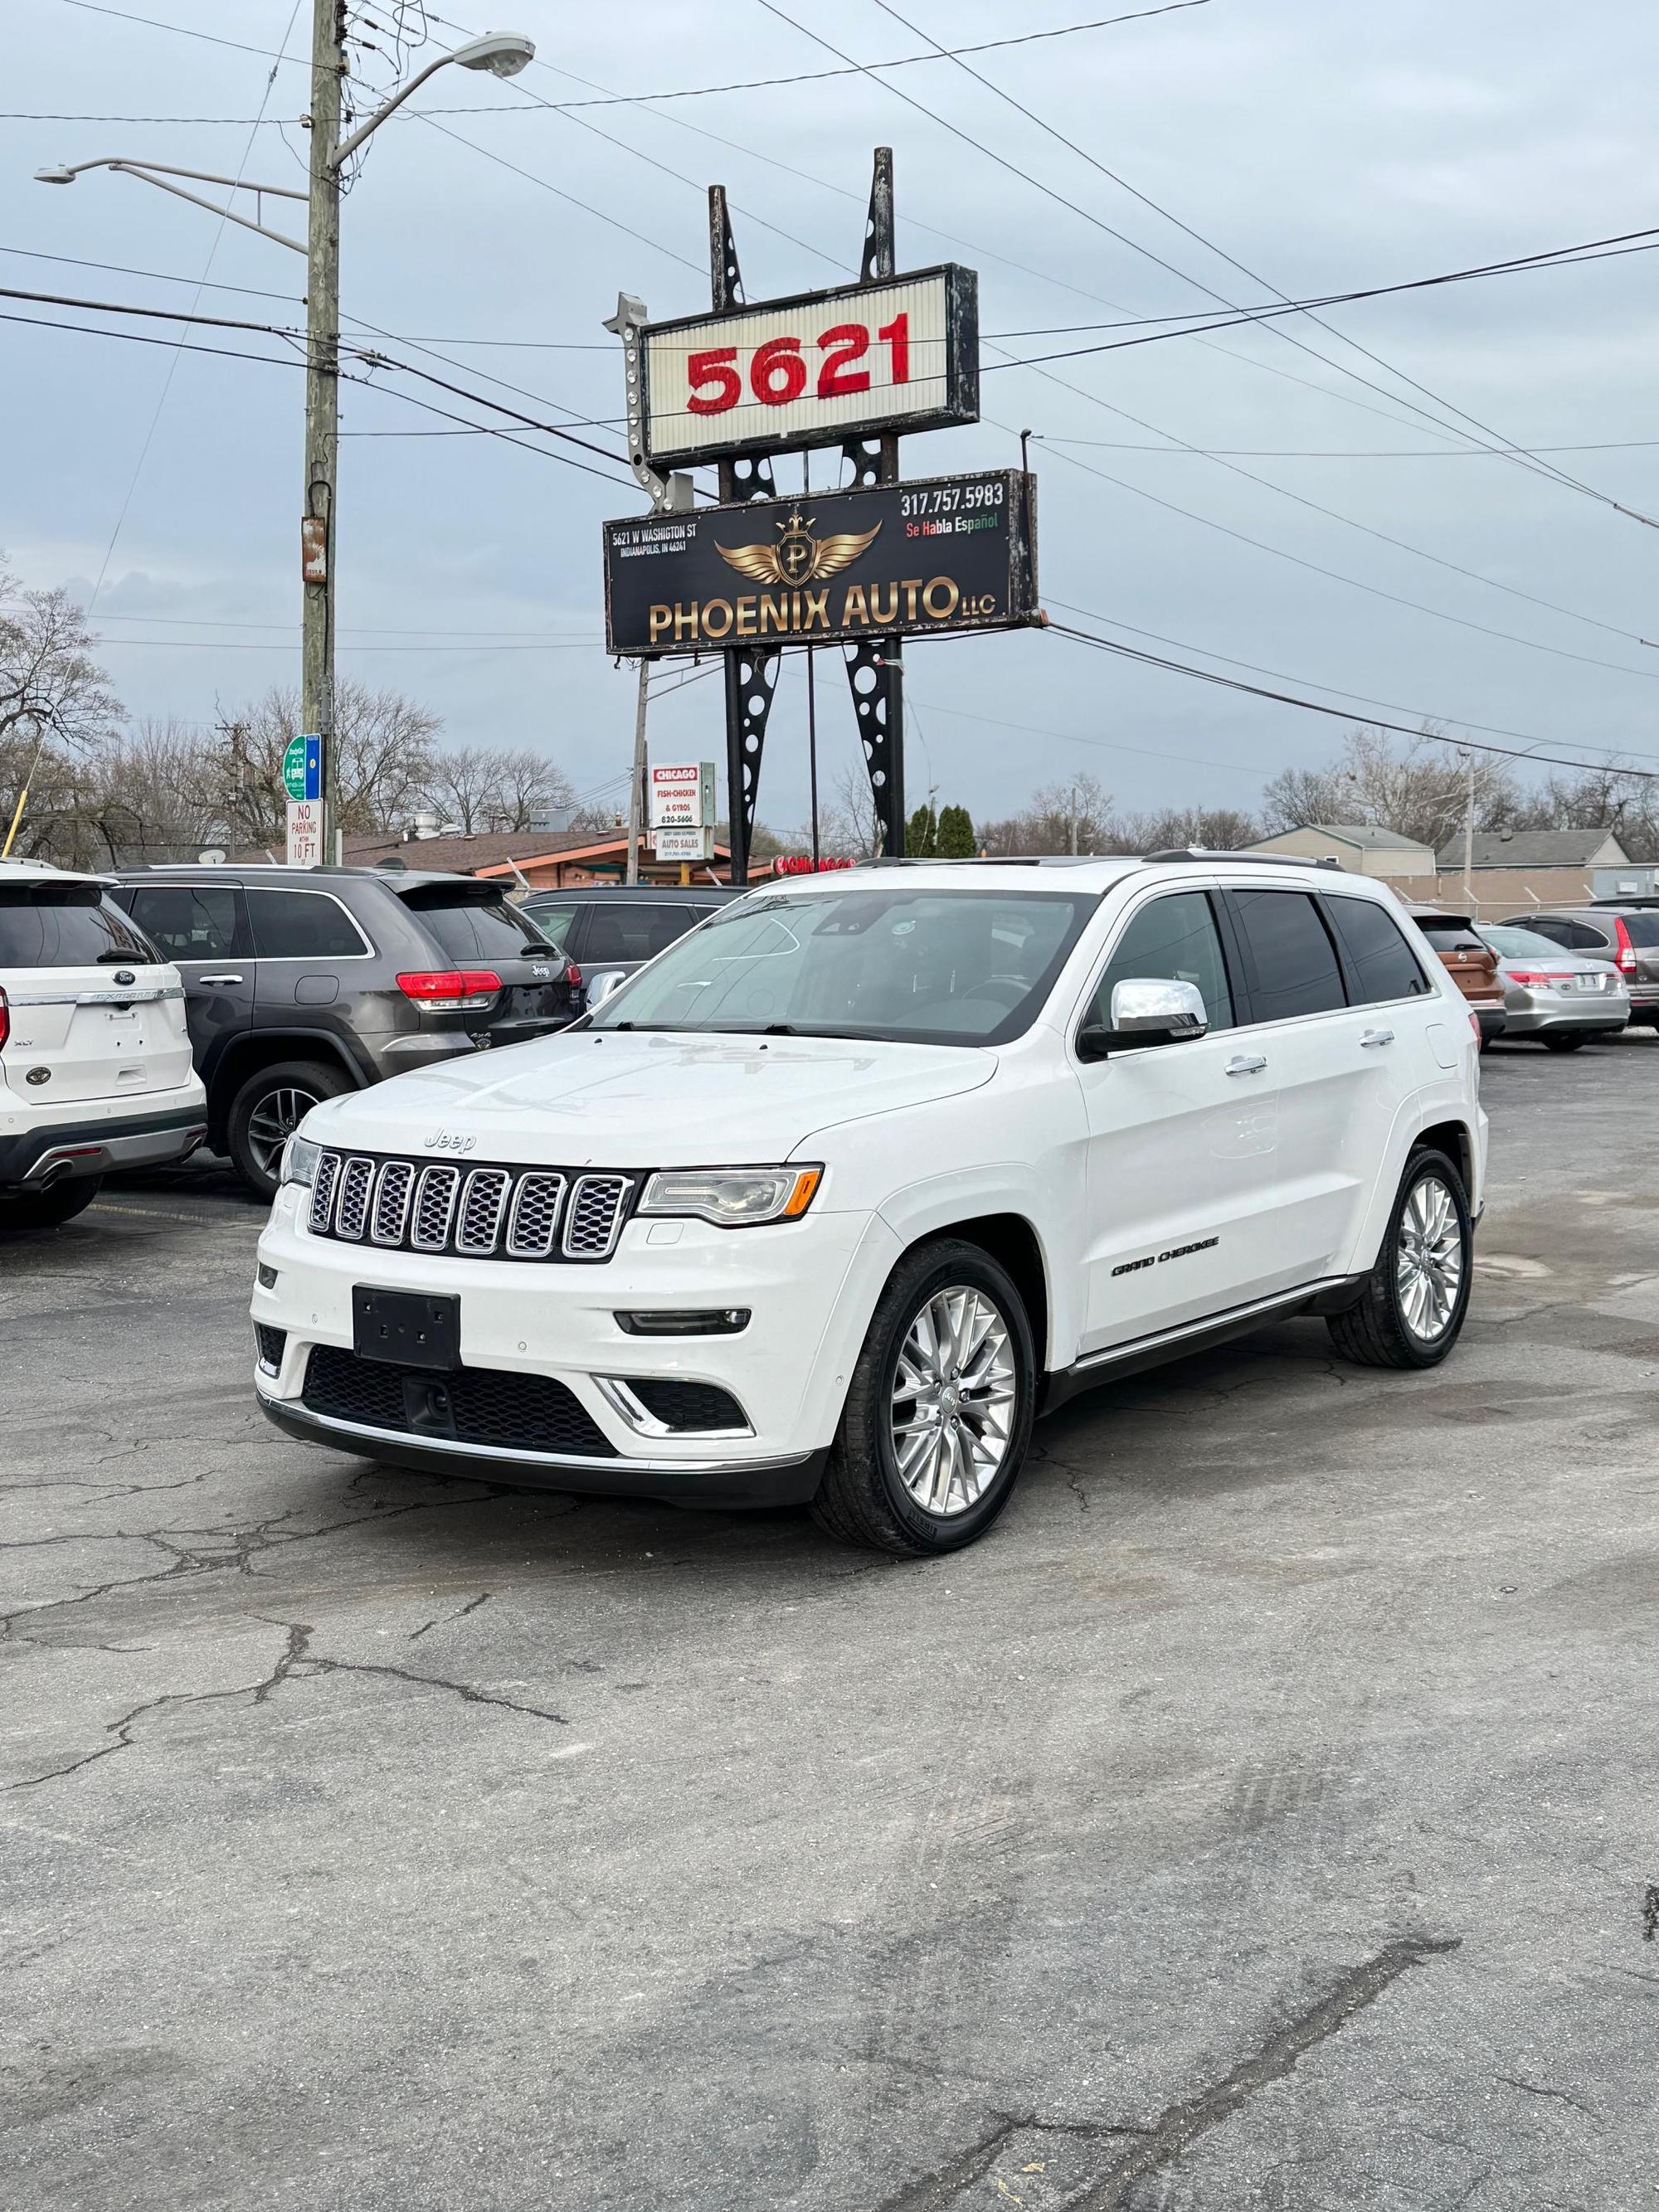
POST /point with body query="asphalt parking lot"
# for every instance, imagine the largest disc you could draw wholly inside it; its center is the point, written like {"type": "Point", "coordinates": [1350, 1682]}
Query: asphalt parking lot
{"type": "Point", "coordinates": [1261, 1817]}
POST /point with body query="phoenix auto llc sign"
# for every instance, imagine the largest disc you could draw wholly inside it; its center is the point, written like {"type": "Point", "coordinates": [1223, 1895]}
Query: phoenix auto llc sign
{"type": "Point", "coordinates": [941, 555]}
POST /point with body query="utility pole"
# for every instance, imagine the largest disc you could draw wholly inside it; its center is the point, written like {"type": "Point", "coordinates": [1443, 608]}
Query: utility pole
{"type": "Point", "coordinates": [322, 399]}
{"type": "Point", "coordinates": [636, 782]}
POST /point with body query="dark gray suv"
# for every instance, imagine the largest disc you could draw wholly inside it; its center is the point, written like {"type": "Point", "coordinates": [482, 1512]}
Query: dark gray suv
{"type": "Point", "coordinates": [301, 983]}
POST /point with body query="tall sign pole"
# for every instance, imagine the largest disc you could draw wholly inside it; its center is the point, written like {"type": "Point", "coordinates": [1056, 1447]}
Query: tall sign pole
{"type": "Point", "coordinates": [751, 676]}
{"type": "Point", "coordinates": [879, 706]}
{"type": "Point", "coordinates": [322, 406]}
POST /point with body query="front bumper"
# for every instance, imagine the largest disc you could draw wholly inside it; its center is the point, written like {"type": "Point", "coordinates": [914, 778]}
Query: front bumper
{"type": "Point", "coordinates": [97, 1146]}
{"type": "Point", "coordinates": [810, 1288]}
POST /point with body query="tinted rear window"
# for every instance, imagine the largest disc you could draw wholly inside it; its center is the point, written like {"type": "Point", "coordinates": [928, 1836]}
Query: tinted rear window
{"type": "Point", "coordinates": [303, 925]}
{"type": "Point", "coordinates": [1642, 928]}
{"type": "Point", "coordinates": [1384, 965]}
{"type": "Point", "coordinates": [1448, 936]}
{"type": "Point", "coordinates": [478, 929]}
{"type": "Point", "coordinates": [187, 923]}
{"type": "Point", "coordinates": [1295, 962]}
{"type": "Point", "coordinates": [633, 933]}
{"type": "Point", "coordinates": [65, 926]}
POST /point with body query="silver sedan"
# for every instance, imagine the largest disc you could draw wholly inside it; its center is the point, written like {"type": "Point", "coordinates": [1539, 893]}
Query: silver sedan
{"type": "Point", "coordinates": [1561, 998]}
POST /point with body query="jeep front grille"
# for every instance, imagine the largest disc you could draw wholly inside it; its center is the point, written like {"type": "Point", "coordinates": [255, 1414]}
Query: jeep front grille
{"type": "Point", "coordinates": [472, 1214]}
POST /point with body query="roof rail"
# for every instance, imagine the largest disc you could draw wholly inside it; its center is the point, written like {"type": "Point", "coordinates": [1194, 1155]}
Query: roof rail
{"type": "Point", "coordinates": [1254, 860]}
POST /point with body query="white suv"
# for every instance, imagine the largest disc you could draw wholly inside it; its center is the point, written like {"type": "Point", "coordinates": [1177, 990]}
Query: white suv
{"type": "Point", "coordinates": [836, 1195]}
{"type": "Point", "coordinates": [95, 1057]}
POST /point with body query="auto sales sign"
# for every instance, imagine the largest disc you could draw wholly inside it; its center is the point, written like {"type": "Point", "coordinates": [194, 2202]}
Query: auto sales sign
{"type": "Point", "coordinates": [916, 559]}
{"type": "Point", "coordinates": [812, 370]}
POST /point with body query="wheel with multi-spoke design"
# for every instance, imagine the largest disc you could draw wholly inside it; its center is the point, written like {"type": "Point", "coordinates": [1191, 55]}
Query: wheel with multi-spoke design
{"type": "Point", "coordinates": [938, 1414]}
{"type": "Point", "coordinates": [267, 1110]}
{"type": "Point", "coordinates": [1411, 1312]}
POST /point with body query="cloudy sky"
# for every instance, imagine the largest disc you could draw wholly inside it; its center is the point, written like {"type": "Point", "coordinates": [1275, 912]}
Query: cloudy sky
{"type": "Point", "coordinates": [1323, 147]}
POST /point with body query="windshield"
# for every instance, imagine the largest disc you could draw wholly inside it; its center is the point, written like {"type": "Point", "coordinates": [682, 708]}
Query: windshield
{"type": "Point", "coordinates": [931, 967]}
{"type": "Point", "coordinates": [1521, 944]}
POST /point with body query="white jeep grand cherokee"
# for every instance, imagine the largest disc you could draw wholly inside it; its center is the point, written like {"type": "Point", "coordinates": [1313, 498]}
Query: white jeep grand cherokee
{"type": "Point", "coordinates": [841, 1191]}
{"type": "Point", "coordinates": [95, 1057]}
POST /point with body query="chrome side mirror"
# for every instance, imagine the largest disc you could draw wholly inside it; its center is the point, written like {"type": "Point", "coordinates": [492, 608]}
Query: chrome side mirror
{"type": "Point", "coordinates": [604, 986]}
{"type": "Point", "coordinates": [1146, 1011]}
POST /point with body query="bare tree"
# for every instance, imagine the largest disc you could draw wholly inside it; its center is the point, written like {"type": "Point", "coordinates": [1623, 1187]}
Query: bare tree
{"type": "Point", "coordinates": [1073, 816]}
{"type": "Point", "coordinates": [1419, 788]}
{"type": "Point", "coordinates": [493, 786]}
{"type": "Point", "coordinates": [377, 772]}
{"type": "Point", "coordinates": [56, 708]}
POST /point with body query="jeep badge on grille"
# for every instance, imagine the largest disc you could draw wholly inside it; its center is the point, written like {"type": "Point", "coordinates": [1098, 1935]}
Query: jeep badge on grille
{"type": "Point", "coordinates": [444, 1140]}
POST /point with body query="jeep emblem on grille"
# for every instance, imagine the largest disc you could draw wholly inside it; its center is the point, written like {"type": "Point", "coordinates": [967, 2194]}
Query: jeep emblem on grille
{"type": "Point", "coordinates": [444, 1140]}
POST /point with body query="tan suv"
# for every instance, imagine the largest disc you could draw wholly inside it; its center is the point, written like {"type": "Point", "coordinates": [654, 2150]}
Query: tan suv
{"type": "Point", "coordinates": [1472, 963]}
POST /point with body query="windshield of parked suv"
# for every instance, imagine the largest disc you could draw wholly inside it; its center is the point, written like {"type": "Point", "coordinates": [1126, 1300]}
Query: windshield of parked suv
{"type": "Point", "coordinates": [932, 966]}
{"type": "Point", "coordinates": [1521, 944]}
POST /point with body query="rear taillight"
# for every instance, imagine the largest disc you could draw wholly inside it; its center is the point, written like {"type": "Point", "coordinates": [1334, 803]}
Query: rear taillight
{"type": "Point", "coordinates": [1474, 1024]}
{"type": "Point", "coordinates": [1545, 975]}
{"type": "Point", "coordinates": [444, 989]}
{"type": "Point", "coordinates": [5, 1020]}
{"type": "Point", "coordinates": [1626, 950]}
{"type": "Point", "coordinates": [573, 975]}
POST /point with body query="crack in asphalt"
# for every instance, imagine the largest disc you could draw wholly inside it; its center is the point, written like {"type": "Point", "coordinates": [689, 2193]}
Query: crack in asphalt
{"type": "Point", "coordinates": [1539, 2089]}
{"type": "Point", "coordinates": [1181, 2124]}
{"type": "Point", "coordinates": [297, 1661]}
{"type": "Point", "coordinates": [471, 1606]}
{"type": "Point", "coordinates": [218, 1549]}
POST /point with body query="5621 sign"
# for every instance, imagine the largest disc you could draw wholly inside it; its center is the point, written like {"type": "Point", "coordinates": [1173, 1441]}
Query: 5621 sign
{"type": "Point", "coordinates": [827, 366]}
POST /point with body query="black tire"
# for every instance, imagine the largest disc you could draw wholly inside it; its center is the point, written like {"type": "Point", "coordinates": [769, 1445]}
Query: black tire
{"type": "Point", "coordinates": [48, 1209]}
{"type": "Point", "coordinates": [863, 1499]}
{"type": "Point", "coordinates": [268, 1098]}
{"type": "Point", "coordinates": [1377, 1332]}
{"type": "Point", "coordinates": [1564, 1040]}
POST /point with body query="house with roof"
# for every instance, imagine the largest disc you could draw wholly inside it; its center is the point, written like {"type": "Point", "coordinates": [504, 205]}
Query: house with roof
{"type": "Point", "coordinates": [1365, 848]}
{"type": "Point", "coordinates": [1534, 848]}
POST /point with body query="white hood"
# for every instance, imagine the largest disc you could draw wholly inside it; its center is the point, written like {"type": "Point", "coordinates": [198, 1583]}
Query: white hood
{"type": "Point", "coordinates": [606, 1099]}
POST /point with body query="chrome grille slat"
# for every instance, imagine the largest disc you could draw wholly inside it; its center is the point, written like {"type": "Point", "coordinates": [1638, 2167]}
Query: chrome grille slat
{"type": "Point", "coordinates": [483, 1204]}
{"type": "Point", "coordinates": [434, 1208]}
{"type": "Point", "coordinates": [431, 1207]}
{"type": "Point", "coordinates": [533, 1221]}
{"type": "Point", "coordinates": [393, 1189]}
{"type": "Point", "coordinates": [322, 1193]}
{"type": "Point", "coordinates": [593, 1221]}
{"type": "Point", "coordinates": [351, 1212]}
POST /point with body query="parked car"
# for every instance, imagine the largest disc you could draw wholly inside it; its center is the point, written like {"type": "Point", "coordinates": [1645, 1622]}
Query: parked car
{"type": "Point", "coordinates": [1470, 961]}
{"type": "Point", "coordinates": [608, 930]}
{"type": "Point", "coordinates": [303, 983]}
{"type": "Point", "coordinates": [831, 1200]}
{"type": "Point", "coordinates": [1561, 998]}
{"type": "Point", "coordinates": [1623, 933]}
{"type": "Point", "coordinates": [95, 1057]}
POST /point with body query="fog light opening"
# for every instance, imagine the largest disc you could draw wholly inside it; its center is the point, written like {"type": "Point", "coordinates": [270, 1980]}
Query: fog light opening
{"type": "Point", "coordinates": [710, 1321]}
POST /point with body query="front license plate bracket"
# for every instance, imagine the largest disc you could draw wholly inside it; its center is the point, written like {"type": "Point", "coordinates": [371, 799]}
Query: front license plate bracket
{"type": "Point", "coordinates": [406, 1328]}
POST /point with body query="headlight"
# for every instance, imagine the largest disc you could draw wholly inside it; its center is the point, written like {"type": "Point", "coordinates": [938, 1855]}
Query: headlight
{"type": "Point", "coordinates": [299, 1159]}
{"type": "Point", "coordinates": [732, 1198]}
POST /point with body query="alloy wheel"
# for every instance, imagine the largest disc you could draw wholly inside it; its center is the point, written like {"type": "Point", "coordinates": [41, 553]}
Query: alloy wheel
{"type": "Point", "coordinates": [273, 1122]}
{"type": "Point", "coordinates": [1429, 1259]}
{"type": "Point", "coordinates": [955, 1396]}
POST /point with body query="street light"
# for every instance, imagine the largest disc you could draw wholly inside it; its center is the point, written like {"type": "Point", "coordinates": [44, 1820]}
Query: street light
{"type": "Point", "coordinates": [501, 54]}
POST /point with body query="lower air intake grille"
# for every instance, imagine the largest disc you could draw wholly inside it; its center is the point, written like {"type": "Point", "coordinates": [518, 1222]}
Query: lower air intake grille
{"type": "Point", "coordinates": [470, 1213]}
{"type": "Point", "coordinates": [468, 1405]}
{"type": "Point", "coordinates": [271, 1342]}
{"type": "Point", "coordinates": [690, 1405]}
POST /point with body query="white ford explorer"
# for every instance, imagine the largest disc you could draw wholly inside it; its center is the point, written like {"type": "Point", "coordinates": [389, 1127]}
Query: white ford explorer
{"type": "Point", "coordinates": [841, 1191]}
{"type": "Point", "coordinates": [95, 1067]}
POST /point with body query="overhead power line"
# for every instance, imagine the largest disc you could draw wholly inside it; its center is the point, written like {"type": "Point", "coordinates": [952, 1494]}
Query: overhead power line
{"type": "Point", "coordinates": [1339, 714]}
{"type": "Point", "coordinates": [1546, 468]}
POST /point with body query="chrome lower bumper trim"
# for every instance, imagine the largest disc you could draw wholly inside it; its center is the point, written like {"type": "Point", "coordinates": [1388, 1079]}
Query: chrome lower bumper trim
{"type": "Point", "coordinates": [554, 1463]}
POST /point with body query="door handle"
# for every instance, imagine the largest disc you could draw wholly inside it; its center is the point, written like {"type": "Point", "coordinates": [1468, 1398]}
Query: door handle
{"type": "Point", "coordinates": [1246, 1064]}
{"type": "Point", "coordinates": [1378, 1037]}
{"type": "Point", "coordinates": [218, 979]}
